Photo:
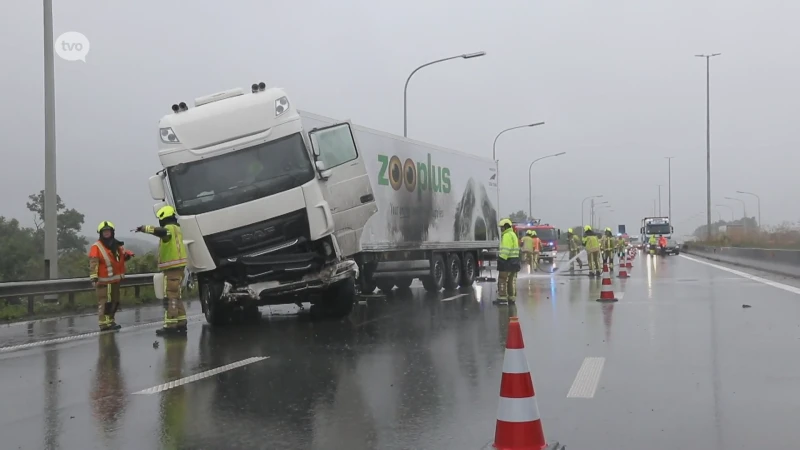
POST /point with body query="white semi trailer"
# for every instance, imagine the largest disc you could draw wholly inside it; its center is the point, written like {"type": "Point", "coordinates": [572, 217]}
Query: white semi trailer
{"type": "Point", "coordinates": [279, 206]}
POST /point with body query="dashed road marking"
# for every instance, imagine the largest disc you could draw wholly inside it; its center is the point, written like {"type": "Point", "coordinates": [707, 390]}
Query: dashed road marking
{"type": "Point", "coordinates": [454, 297]}
{"type": "Point", "coordinates": [200, 376]}
{"type": "Point", "coordinates": [77, 337]}
{"type": "Point", "coordinates": [588, 378]}
{"type": "Point", "coordinates": [774, 284]}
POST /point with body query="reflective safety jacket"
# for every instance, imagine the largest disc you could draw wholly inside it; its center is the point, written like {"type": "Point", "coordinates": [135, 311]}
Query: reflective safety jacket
{"type": "Point", "coordinates": [171, 250]}
{"type": "Point", "coordinates": [537, 245]}
{"type": "Point", "coordinates": [591, 242]}
{"type": "Point", "coordinates": [508, 257]}
{"type": "Point", "coordinates": [662, 242]}
{"type": "Point", "coordinates": [621, 243]}
{"type": "Point", "coordinates": [574, 243]}
{"type": "Point", "coordinates": [652, 240]}
{"type": "Point", "coordinates": [105, 266]}
{"type": "Point", "coordinates": [527, 244]}
{"type": "Point", "coordinates": [608, 242]}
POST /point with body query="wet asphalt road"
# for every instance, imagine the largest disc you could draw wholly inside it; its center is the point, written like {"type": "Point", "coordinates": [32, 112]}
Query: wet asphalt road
{"type": "Point", "coordinates": [684, 366]}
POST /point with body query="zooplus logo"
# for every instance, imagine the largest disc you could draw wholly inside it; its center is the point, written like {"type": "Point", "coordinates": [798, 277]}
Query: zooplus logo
{"type": "Point", "coordinates": [417, 176]}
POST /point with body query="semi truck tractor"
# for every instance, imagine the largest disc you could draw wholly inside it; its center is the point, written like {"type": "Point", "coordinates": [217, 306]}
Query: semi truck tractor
{"type": "Point", "coordinates": [280, 206]}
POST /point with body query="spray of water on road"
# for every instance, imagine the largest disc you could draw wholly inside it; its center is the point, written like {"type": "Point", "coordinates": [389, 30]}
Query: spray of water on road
{"type": "Point", "coordinates": [526, 273]}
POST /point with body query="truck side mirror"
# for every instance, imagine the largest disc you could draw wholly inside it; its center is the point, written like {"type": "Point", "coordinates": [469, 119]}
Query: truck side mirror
{"type": "Point", "coordinates": [641, 230]}
{"type": "Point", "coordinates": [559, 234]}
{"type": "Point", "coordinates": [156, 184]}
{"type": "Point", "coordinates": [323, 172]}
{"type": "Point", "coordinates": [671, 229]}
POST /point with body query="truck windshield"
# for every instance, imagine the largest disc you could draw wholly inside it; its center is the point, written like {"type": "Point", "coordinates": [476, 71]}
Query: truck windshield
{"type": "Point", "coordinates": [240, 176]}
{"type": "Point", "coordinates": [661, 228]}
{"type": "Point", "coordinates": [546, 234]}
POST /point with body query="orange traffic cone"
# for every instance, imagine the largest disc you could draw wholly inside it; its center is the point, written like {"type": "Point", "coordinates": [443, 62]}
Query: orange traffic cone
{"type": "Point", "coordinates": [519, 426]}
{"type": "Point", "coordinates": [606, 292]}
{"type": "Point", "coordinates": [623, 266]}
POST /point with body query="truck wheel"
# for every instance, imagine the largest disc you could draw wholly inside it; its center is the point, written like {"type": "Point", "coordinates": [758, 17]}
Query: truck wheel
{"type": "Point", "coordinates": [403, 283]}
{"type": "Point", "coordinates": [216, 311]}
{"type": "Point", "coordinates": [469, 271]}
{"type": "Point", "coordinates": [367, 284]}
{"type": "Point", "coordinates": [452, 275]}
{"type": "Point", "coordinates": [340, 297]}
{"type": "Point", "coordinates": [435, 281]}
{"type": "Point", "coordinates": [385, 284]}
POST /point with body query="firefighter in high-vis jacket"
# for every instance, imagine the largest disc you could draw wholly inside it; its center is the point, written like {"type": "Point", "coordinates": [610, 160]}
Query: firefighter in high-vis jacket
{"type": "Point", "coordinates": [171, 262]}
{"type": "Point", "coordinates": [507, 263]}
{"type": "Point", "coordinates": [574, 245]}
{"type": "Point", "coordinates": [621, 245]}
{"type": "Point", "coordinates": [608, 243]}
{"type": "Point", "coordinates": [526, 245]}
{"type": "Point", "coordinates": [107, 259]}
{"type": "Point", "coordinates": [592, 245]}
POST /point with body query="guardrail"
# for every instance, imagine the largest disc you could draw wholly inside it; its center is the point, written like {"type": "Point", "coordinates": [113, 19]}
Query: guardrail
{"type": "Point", "coordinates": [781, 262]}
{"type": "Point", "coordinates": [69, 286]}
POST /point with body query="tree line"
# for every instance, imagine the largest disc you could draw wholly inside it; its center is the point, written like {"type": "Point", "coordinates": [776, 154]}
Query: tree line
{"type": "Point", "coordinates": [22, 248]}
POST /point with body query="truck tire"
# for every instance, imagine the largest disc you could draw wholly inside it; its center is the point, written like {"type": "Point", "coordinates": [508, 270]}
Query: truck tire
{"type": "Point", "coordinates": [385, 284]}
{"type": "Point", "coordinates": [452, 274]}
{"type": "Point", "coordinates": [404, 283]}
{"type": "Point", "coordinates": [435, 281]}
{"type": "Point", "coordinates": [469, 271]}
{"type": "Point", "coordinates": [217, 313]}
{"type": "Point", "coordinates": [366, 284]}
{"type": "Point", "coordinates": [339, 298]}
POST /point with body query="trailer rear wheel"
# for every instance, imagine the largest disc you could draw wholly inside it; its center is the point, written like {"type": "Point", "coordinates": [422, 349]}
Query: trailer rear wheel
{"type": "Point", "coordinates": [367, 284]}
{"type": "Point", "coordinates": [385, 284]}
{"type": "Point", "coordinates": [470, 270]}
{"type": "Point", "coordinates": [435, 281]}
{"type": "Point", "coordinates": [403, 283]}
{"type": "Point", "coordinates": [453, 273]}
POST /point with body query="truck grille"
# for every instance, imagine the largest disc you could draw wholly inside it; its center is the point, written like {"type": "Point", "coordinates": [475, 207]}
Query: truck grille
{"type": "Point", "coordinates": [259, 236]}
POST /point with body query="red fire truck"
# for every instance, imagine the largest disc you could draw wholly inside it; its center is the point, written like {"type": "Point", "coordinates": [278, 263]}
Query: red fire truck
{"type": "Point", "coordinates": [547, 233]}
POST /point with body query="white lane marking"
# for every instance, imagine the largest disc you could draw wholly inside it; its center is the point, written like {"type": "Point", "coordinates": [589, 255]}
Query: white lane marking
{"type": "Point", "coordinates": [774, 284]}
{"type": "Point", "coordinates": [588, 377]}
{"type": "Point", "coordinates": [454, 297]}
{"type": "Point", "coordinates": [518, 409]}
{"type": "Point", "coordinates": [515, 361]}
{"type": "Point", "coordinates": [77, 337]}
{"type": "Point", "coordinates": [200, 376]}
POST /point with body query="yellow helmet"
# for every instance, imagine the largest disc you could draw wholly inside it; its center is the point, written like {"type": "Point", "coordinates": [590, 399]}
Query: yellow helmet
{"type": "Point", "coordinates": [587, 228]}
{"type": "Point", "coordinates": [533, 233]}
{"type": "Point", "coordinates": [504, 222]}
{"type": "Point", "coordinates": [608, 229]}
{"type": "Point", "coordinates": [569, 230]}
{"type": "Point", "coordinates": [105, 225]}
{"type": "Point", "coordinates": [165, 212]}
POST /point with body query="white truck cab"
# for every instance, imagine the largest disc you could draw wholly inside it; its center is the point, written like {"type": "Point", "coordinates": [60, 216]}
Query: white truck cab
{"type": "Point", "coordinates": [271, 212]}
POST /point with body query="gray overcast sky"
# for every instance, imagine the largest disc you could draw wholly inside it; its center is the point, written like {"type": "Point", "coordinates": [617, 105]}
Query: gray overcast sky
{"type": "Point", "coordinates": [616, 82]}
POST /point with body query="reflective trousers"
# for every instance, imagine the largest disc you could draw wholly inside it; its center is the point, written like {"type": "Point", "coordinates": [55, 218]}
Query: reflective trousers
{"type": "Point", "coordinates": [107, 304]}
{"type": "Point", "coordinates": [507, 286]}
{"type": "Point", "coordinates": [175, 313]}
{"type": "Point", "coordinates": [594, 260]}
{"type": "Point", "coordinates": [608, 258]}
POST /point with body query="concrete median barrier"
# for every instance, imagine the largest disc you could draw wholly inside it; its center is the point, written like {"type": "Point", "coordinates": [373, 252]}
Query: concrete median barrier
{"type": "Point", "coordinates": [782, 262]}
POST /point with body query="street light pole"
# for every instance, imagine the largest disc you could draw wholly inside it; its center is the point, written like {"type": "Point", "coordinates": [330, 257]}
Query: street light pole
{"type": "Point", "coordinates": [758, 199]}
{"type": "Point", "coordinates": [659, 200]}
{"type": "Point", "coordinates": [708, 138]}
{"type": "Point", "coordinates": [729, 207]}
{"type": "Point", "coordinates": [405, 90]}
{"type": "Point", "coordinates": [494, 155]}
{"type": "Point", "coordinates": [50, 194]}
{"type": "Point", "coordinates": [669, 187]}
{"type": "Point", "coordinates": [583, 205]}
{"type": "Point", "coordinates": [530, 181]}
{"type": "Point", "coordinates": [592, 211]}
{"type": "Point", "coordinates": [744, 208]}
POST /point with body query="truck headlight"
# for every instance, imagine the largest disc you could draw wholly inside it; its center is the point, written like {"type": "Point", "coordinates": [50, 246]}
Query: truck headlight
{"type": "Point", "coordinates": [327, 248]}
{"type": "Point", "coordinates": [168, 136]}
{"type": "Point", "coordinates": [281, 105]}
